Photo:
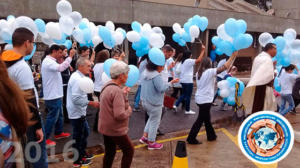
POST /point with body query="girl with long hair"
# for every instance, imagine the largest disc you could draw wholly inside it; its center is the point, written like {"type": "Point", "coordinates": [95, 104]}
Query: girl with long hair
{"type": "Point", "coordinates": [205, 79]}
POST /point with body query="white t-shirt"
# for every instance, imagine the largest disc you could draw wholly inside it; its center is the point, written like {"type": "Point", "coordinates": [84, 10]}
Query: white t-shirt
{"type": "Point", "coordinates": [77, 100]}
{"type": "Point", "coordinates": [287, 81]}
{"type": "Point", "coordinates": [169, 62]}
{"type": "Point", "coordinates": [51, 77]}
{"type": "Point", "coordinates": [21, 74]}
{"type": "Point", "coordinates": [98, 70]}
{"type": "Point", "coordinates": [187, 71]}
{"type": "Point", "coordinates": [177, 71]}
{"type": "Point", "coordinates": [221, 63]}
{"type": "Point", "coordinates": [206, 86]}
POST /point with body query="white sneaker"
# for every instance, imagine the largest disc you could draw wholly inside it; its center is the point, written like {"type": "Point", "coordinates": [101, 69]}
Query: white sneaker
{"type": "Point", "coordinates": [175, 108]}
{"type": "Point", "coordinates": [190, 112]}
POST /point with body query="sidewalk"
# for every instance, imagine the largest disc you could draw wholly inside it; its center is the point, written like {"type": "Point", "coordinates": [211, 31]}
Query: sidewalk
{"type": "Point", "coordinates": [223, 153]}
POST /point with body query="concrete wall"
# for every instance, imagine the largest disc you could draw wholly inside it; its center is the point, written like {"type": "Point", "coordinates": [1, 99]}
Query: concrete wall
{"type": "Point", "coordinates": [125, 11]}
{"type": "Point", "coordinates": [287, 8]}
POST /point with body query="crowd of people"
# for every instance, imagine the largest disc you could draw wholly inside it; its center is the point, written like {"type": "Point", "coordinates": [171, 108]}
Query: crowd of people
{"type": "Point", "coordinates": [62, 71]}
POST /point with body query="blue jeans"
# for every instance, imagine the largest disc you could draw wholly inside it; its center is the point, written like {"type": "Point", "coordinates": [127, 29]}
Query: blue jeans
{"type": "Point", "coordinates": [187, 89]}
{"type": "Point", "coordinates": [54, 117]}
{"type": "Point", "coordinates": [154, 113]}
{"type": "Point", "coordinates": [286, 98]}
{"type": "Point", "coordinates": [137, 97]}
{"type": "Point", "coordinates": [81, 131]}
{"type": "Point", "coordinates": [42, 162]}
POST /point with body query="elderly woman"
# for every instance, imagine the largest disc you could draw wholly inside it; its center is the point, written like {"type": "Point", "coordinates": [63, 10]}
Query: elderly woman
{"type": "Point", "coordinates": [152, 94]}
{"type": "Point", "coordinates": [115, 112]}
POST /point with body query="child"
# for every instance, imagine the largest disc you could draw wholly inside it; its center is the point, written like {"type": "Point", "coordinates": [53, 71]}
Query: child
{"type": "Point", "coordinates": [286, 81]}
{"type": "Point", "coordinates": [205, 79]}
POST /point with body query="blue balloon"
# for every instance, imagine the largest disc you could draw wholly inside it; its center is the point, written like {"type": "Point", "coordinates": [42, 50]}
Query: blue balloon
{"type": "Point", "coordinates": [68, 44]}
{"type": "Point", "coordinates": [231, 101]}
{"type": "Point", "coordinates": [139, 53]}
{"type": "Point", "coordinates": [219, 52]}
{"type": "Point", "coordinates": [276, 85]}
{"type": "Point", "coordinates": [176, 37]}
{"type": "Point", "coordinates": [285, 61]}
{"type": "Point", "coordinates": [106, 36]}
{"type": "Point", "coordinates": [242, 41]}
{"type": "Point", "coordinates": [204, 23]}
{"type": "Point", "coordinates": [133, 76]}
{"type": "Point", "coordinates": [136, 26]}
{"type": "Point", "coordinates": [62, 40]}
{"type": "Point", "coordinates": [196, 20]}
{"type": "Point", "coordinates": [107, 64]}
{"type": "Point", "coordinates": [241, 26]}
{"type": "Point", "coordinates": [225, 99]}
{"type": "Point", "coordinates": [231, 81]}
{"type": "Point", "coordinates": [87, 35]}
{"type": "Point", "coordinates": [280, 43]}
{"type": "Point", "coordinates": [241, 88]}
{"type": "Point", "coordinates": [145, 50]}
{"type": "Point", "coordinates": [186, 37]}
{"type": "Point", "coordinates": [40, 24]}
{"type": "Point", "coordinates": [157, 57]}
{"type": "Point", "coordinates": [10, 17]}
{"type": "Point", "coordinates": [231, 27]}
{"type": "Point", "coordinates": [216, 41]}
{"type": "Point", "coordinates": [187, 26]}
{"type": "Point", "coordinates": [182, 42]}
{"type": "Point", "coordinates": [226, 47]}
{"type": "Point", "coordinates": [144, 42]}
{"type": "Point", "coordinates": [82, 25]}
{"type": "Point", "coordinates": [28, 57]}
{"type": "Point", "coordinates": [135, 46]}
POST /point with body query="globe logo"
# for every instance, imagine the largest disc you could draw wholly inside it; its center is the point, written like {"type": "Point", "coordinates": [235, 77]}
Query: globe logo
{"type": "Point", "coordinates": [265, 138]}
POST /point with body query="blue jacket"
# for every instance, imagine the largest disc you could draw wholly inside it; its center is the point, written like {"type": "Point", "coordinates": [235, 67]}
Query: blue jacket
{"type": "Point", "coordinates": [153, 88]}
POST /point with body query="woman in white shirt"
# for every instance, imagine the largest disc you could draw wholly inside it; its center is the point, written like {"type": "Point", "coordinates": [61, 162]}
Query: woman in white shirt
{"type": "Point", "coordinates": [287, 80]}
{"type": "Point", "coordinates": [205, 79]}
{"type": "Point", "coordinates": [186, 78]}
{"type": "Point", "coordinates": [101, 57]}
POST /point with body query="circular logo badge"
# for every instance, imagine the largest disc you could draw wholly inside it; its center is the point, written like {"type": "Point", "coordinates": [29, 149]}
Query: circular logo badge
{"type": "Point", "coordinates": [266, 137]}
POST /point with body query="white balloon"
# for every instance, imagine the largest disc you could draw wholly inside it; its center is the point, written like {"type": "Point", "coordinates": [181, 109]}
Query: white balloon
{"type": "Point", "coordinates": [106, 46]}
{"type": "Point", "coordinates": [181, 31]}
{"type": "Point", "coordinates": [86, 21]}
{"type": "Point", "coordinates": [289, 35]}
{"type": "Point", "coordinates": [222, 33]}
{"type": "Point", "coordinates": [133, 36]}
{"type": "Point", "coordinates": [176, 28]}
{"type": "Point", "coordinates": [265, 38]}
{"type": "Point", "coordinates": [194, 31]}
{"type": "Point", "coordinates": [53, 30]}
{"type": "Point", "coordinates": [5, 34]}
{"type": "Point", "coordinates": [78, 35]}
{"type": "Point", "coordinates": [96, 40]}
{"type": "Point", "coordinates": [157, 30]}
{"type": "Point", "coordinates": [8, 47]}
{"type": "Point", "coordinates": [223, 84]}
{"type": "Point", "coordinates": [295, 56]}
{"type": "Point", "coordinates": [94, 31]}
{"type": "Point", "coordinates": [26, 22]}
{"type": "Point", "coordinates": [146, 26]}
{"type": "Point", "coordinates": [147, 32]}
{"type": "Point", "coordinates": [66, 24]}
{"type": "Point", "coordinates": [76, 17]}
{"type": "Point", "coordinates": [3, 24]}
{"type": "Point", "coordinates": [193, 39]}
{"type": "Point", "coordinates": [224, 93]}
{"type": "Point", "coordinates": [156, 40]}
{"type": "Point", "coordinates": [118, 36]}
{"type": "Point", "coordinates": [163, 37]}
{"type": "Point", "coordinates": [110, 25]}
{"type": "Point", "coordinates": [86, 85]}
{"type": "Point", "coordinates": [46, 39]}
{"type": "Point", "coordinates": [64, 8]}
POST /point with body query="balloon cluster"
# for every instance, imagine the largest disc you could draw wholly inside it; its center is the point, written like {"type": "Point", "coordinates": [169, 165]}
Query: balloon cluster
{"type": "Point", "coordinates": [109, 35]}
{"type": "Point", "coordinates": [133, 74]}
{"type": "Point", "coordinates": [144, 37]}
{"type": "Point", "coordinates": [190, 30]}
{"type": "Point", "coordinates": [228, 89]}
{"type": "Point", "coordinates": [288, 47]}
{"type": "Point", "coordinates": [231, 37]}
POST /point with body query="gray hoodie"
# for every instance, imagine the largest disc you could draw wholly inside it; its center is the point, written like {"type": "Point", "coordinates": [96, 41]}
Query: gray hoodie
{"type": "Point", "coordinates": [153, 88]}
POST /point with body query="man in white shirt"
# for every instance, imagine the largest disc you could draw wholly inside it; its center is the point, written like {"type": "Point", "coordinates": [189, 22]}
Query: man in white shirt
{"type": "Point", "coordinates": [20, 72]}
{"type": "Point", "coordinates": [53, 92]}
{"type": "Point", "coordinates": [77, 102]}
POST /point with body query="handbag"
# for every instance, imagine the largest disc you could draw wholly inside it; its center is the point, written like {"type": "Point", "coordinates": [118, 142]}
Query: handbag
{"type": "Point", "coordinates": [169, 101]}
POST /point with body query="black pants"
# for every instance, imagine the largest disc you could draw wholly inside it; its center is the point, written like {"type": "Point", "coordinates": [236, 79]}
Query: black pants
{"type": "Point", "coordinates": [203, 117]}
{"type": "Point", "coordinates": [65, 111]}
{"type": "Point", "coordinates": [111, 143]}
{"type": "Point", "coordinates": [97, 94]}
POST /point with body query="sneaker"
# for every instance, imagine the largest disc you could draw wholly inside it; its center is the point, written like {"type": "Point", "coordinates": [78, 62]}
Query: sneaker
{"type": "Point", "coordinates": [88, 157]}
{"type": "Point", "coordinates": [293, 112]}
{"type": "Point", "coordinates": [154, 145]}
{"type": "Point", "coordinates": [62, 135]}
{"type": "Point", "coordinates": [175, 108]}
{"type": "Point", "coordinates": [214, 104]}
{"type": "Point", "coordinates": [136, 109]}
{"type": "Point", "coordinates": [193, 142]}
{"type": "Point", "coordinates": [144, 140]}
{"type": "Point", "coordinates": [190, 112]}
{"type": "Point", "coordinates": [50, 143]}
{"type": "Point", "coordinates": [212, 139]}
{"type": "Point", "coordinates": [82, 163]}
